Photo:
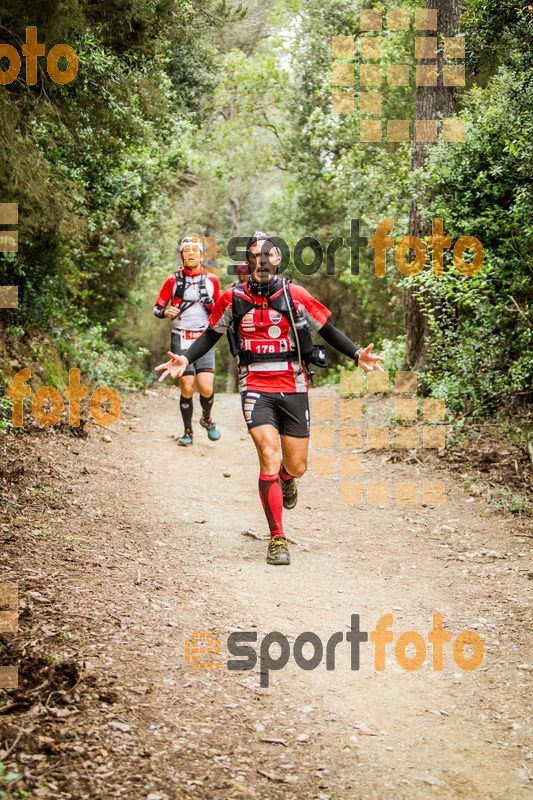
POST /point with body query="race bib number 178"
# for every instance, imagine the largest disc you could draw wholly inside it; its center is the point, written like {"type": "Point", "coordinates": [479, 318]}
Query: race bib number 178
{"type": "Point", "coordinates": [258, 346]}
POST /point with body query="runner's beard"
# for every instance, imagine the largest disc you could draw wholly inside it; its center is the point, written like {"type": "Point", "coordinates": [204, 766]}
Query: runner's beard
{"type": "Point", "coordinates": [267, 288]}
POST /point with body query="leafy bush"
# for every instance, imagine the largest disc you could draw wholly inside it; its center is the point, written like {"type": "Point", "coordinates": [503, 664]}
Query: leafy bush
{"type": "Point", "coordinates": [481, 356]}
{"type": "Point", "coordinates": [105, 364]}
{"type": "Point", "coordinates": [94, 165]}
{"type": "Point", "coordinates": [5, 414]}
{"type": "Point", "coordinates": [393, 351]}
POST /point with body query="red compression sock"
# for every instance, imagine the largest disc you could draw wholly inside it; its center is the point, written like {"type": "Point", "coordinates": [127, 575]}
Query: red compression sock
{"type": "Point", "coordinates": [284, 475]}
{"type": "Point", "coordinates": [272, 502]}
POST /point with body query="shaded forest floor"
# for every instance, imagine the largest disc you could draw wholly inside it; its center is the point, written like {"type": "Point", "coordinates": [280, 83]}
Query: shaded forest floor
{"type": "Point", "coordinates": [122, 545]}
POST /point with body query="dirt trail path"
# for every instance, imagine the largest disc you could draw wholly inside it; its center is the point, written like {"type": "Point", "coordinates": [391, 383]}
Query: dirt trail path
{"type": "Point", "coordinates": [152, 550]}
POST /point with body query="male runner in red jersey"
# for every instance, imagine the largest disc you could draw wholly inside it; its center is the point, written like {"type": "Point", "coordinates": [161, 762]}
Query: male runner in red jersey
{"type": "Point", "coordinates": [191, 293]}
{"type": "Point", "coordinates": [271, 320]}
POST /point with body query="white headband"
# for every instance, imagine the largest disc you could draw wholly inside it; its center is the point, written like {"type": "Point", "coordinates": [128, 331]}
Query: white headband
{"type": "Point", "coordinates": [191, 240]}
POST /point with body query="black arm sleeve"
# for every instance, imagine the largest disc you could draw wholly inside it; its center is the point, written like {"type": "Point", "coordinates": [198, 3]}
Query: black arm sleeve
{"type": "Point", "coordinates": [202, 345]}
{"type": "Point", "coordinates": [338, 340]}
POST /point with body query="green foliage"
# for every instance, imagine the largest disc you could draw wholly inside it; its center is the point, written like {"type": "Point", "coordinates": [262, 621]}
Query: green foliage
{"type": "Point", "coordinates": [481, 352]}
{"type": "Point", "coordinates": [7, 785]}
{"type": "Point", "coordinates": [94, 164]}
{"type": "Point", "coordinates": [235, 155]}
{"type": "Point", "coordinates": [216, 117]}
{"type": "Point", "coordinates": [334, 175]}
{"type": "Point", "coordinates": [498, 33]}
{"type": "Point", "coordinates": [503, 499]}
{"type": "Point", "coordinates": [334, 178]}
{"type": "Point", "coordinates": [103, 363]}
{"type": "Point", "coordinates": [393, 351]}
{"type": "Point", "coordinates": [5, 414]}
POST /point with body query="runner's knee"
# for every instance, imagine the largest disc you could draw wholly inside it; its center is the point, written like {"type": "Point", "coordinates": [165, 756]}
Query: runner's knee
{"type": "Point", "coordinates": [297, 468]}
{"type": "Point", "coordinates": [302, 469]}
{"type": "Point", "coordinates": [187, 387]}
{"type": "Point", "coordinates": [205, 382]}
{"type": "Point", "coordinates": [270, 458]}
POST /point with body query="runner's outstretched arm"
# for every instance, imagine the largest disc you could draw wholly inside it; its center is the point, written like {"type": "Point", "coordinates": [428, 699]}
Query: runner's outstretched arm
{"type": "Point", "coordinates": [338, 340]}
{"type": "Point", "coordinates": [363, 356]}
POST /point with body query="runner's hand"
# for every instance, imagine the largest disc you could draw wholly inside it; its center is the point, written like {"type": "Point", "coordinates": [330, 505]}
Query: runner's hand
{"type": "Point", "coordinates": [171, 312]}
{"type": "Point", "coordinates": [175, 367]}
{"type": "Point", "coordinates": [368, 361]}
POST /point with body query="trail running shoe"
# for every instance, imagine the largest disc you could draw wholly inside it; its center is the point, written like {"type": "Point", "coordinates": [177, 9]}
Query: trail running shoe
{"type": "Point", "coordinates": [278, 551]}
{"type": "Point", "coordinates": [290, 492]}
{"type": "Point", "coordinates": [212, 431]}
{"type": "Point", "coordinates": [186, 439]}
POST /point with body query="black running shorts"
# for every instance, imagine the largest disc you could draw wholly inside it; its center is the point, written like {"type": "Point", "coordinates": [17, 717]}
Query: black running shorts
{"type": "Point", "coordinates": [204, 364]}
{"type": "Point", "coordinates": [288, 412]}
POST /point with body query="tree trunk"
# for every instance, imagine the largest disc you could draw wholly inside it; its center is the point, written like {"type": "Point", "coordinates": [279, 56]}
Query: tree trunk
{"type": "Point", "coordinates": [235, 207]}
{"type": "Point", "coordinates": [431, 102]}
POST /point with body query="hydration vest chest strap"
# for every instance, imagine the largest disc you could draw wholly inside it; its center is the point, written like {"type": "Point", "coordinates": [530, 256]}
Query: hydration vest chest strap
{"type": "Point", "coordinates": [203, 295]}
{"type": "Point", "coordinates": [247, 357]}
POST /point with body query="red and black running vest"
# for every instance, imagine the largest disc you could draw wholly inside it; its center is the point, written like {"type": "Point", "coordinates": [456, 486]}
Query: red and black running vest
{"type": "Point", "coordinates": [281, 301]}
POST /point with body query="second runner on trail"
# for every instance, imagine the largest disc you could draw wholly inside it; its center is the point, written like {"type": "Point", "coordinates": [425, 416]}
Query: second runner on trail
{"type": "Point", "coordinates": [187, 298]}
{"type": "Point", "coordinates": [269, 322]}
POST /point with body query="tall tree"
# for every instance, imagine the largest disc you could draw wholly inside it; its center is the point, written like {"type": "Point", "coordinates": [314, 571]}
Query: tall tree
{"type": "Point", "coordinates": [431, 103]}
